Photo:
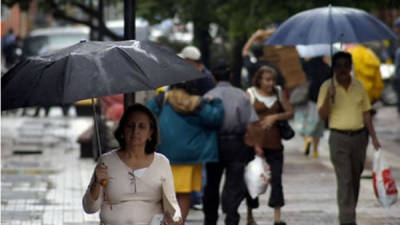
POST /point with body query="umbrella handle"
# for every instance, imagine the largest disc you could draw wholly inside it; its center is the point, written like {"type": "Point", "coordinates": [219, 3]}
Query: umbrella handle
{"type": "Point", "coordinates": [331, 53]}
{"type": "Point", "coordinates": [96, 126]}
{"type": "Point", "coordinates": [103, 182]}
{"type": "Point", "coordinates": [332, 97]}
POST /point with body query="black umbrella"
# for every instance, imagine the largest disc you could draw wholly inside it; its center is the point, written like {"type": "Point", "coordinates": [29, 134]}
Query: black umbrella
{"type": "Point", "coordinates": [92, 69]}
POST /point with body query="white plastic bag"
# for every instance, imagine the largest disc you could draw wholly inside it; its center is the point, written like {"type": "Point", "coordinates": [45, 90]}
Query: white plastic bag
{"type": "Point", "coordinates": [257, 176]}
{"type": "Point", "coordinates": [157, 219]}
{"type": "Point", "coordinates": [384, 183]}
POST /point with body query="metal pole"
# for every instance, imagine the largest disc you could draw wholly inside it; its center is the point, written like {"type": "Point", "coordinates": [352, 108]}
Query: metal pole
{"type": "Point", "coordinates": [104, 182]}
{"type": "Point", "coordinates": [331, 53]}
{"type": "Point", "coordinates": [129, 20]}
{"type": "Point", "coordinates": [100, 19]}
{"type": "Point", "coordinates": [129, 34]}
{"type": "Point", "coordinates": [96, 127]}
{"type": "Point", "coordinates": [91, 34]}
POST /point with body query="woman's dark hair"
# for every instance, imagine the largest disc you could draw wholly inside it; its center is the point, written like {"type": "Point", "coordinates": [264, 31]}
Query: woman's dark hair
{"type": "Point", "coordinates": [339, 55]}
{"type": "Point", "coordinates": [221, 70]}
{"type": "Point", "coordinates": [258, 75]}
{"type": "Point", "coordinates": [188, 86]}
{"type": "Point", "coordinates": [155, 137]}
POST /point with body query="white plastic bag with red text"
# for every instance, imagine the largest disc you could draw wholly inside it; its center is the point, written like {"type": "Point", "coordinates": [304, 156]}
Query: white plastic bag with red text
{"type": "Point", "coordinates": [257, 176]}
{"type": "Point", "coordinates": [383, 181]}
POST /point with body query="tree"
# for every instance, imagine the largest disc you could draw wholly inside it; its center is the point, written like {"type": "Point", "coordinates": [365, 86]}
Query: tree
{"type": "Point", "coordinates": [239, 18]}
{"type": "Point", "coordinates": [75, 11]}
{"type": "Point", "coordinates": [197, 11]}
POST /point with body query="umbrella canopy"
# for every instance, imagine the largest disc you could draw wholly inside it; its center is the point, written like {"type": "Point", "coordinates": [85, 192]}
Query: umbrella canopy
{"type": "Point", "coordinates": [328, 25]}
{"type": "Point", "coordinates": [309, 51]}
{"type": "Point", "coordinates": [92, 69]}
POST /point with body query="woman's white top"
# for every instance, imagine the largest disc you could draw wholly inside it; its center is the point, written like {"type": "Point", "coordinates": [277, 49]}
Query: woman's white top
{"type": "Point", "coordinates": [133, 197]}
{"type": "Point", "coordinates": [267, 100]}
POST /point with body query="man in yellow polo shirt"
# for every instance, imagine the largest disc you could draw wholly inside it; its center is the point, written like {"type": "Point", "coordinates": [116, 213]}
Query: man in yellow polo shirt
{"type": "Point", "coordinates": [346, 106]}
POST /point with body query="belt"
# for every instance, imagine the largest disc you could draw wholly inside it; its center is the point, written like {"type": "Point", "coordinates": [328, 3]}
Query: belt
{"type": "Point", "coordinates": [349, 132]}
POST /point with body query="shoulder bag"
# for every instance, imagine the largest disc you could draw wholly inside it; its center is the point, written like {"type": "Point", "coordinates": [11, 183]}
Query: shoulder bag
{"type": "Point", "coordinates": [285, 130]}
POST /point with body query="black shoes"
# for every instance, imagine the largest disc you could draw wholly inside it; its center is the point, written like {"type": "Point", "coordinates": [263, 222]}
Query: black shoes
{"type": "Point", "coordinates": [279, 223]}
{"type": "Point", "coordinates": [251, 222]}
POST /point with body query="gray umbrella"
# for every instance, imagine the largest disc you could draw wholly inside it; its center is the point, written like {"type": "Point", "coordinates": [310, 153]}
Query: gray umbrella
{"type": "Point", "coordinates": [92, 69]}
{"type": "Point", "coordinates": [89, 70]}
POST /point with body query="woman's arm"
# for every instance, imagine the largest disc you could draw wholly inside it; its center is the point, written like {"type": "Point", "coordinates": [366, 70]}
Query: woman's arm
{"type": "Point", "coordinates": [250, 41]}
{"type": "Point", "coordinates": [172, 212]}
{"type": "Point", "coordinates": [211, 112]}
{"type": "Point", "coordinates": [270, 120]}
{"type": "Point", "coordinates": [94, 194]}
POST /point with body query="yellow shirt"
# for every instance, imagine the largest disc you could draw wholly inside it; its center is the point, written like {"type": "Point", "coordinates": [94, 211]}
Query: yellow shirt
{"type": "Point", "coordinates": [346, 113]}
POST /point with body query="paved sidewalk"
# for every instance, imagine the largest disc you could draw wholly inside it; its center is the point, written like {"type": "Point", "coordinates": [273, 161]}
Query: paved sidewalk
{"type": "Point", "coordinates": [46, 186]}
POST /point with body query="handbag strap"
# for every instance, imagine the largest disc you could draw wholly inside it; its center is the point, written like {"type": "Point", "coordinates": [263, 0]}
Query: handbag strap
{"type": "Point", "coordinates": [278, 93]}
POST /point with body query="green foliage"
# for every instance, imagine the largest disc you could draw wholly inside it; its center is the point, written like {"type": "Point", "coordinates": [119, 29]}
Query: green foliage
{"type": "Point", "coordinates": [24, 4]}
{"type": "Point", "coordinates": [239, 18]}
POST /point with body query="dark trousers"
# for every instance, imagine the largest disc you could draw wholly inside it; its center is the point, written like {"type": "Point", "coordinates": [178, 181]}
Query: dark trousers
{"type": "Point", "coordinates": [252, 203]}
{"type": "Point", "coordinates": [232, 158]}
{"type": "Point", "coordinates": [348, 158]}
{"type": "Point", "coordinates": [274, 159]}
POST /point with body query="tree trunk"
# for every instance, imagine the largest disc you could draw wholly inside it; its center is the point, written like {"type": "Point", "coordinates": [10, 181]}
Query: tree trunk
{"type": "Point", "coordinates": [202, 39]}
{"type": "Point", "coordinates": [237, 61]}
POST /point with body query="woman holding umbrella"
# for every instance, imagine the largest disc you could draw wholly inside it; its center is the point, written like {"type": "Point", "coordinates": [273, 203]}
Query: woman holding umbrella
{"type": "Point", "coordinates": [133, 185]}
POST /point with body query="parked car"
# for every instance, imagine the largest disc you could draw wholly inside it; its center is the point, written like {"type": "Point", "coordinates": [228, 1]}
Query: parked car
{"type": "Point", "coordinates": [45, 40]}
{"type": "Point", "coordinates": [142, 29]}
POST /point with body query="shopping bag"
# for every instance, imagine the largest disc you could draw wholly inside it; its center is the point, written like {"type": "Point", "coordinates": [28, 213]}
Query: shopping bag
{"type": "Point", "coordinates": [257, 176]}
{"type": "Point", "coordinates": [384, 184]}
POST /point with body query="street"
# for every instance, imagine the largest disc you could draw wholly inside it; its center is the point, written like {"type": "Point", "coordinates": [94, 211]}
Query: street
{"type": "Point", "coordinates": [43, 177]}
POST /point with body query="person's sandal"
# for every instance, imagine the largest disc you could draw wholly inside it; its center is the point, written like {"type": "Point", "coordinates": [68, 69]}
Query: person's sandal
{"type": "Point", "coordinates": [307, 148]}
{"type": "Point", "coordinates": [251, 220]}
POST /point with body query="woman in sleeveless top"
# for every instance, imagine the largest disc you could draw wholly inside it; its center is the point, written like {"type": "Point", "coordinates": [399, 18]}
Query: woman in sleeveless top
{"type": "Point", "coordinates": [271, 105]}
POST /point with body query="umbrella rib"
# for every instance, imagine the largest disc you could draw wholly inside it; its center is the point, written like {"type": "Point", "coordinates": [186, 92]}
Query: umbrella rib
{"type": "Point", "coordinates": [137, 65]}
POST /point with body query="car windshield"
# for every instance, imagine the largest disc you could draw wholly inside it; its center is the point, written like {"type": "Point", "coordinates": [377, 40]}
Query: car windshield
{"type": "Point", "coordinates": [43, 44]}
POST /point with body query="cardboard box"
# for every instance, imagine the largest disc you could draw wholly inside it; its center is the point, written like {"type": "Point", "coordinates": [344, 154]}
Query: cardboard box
{"type": "Point", "coordinates": [287, 59]}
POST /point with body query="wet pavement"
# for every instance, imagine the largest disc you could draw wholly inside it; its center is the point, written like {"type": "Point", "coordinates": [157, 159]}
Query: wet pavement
{"type": "Point", "coordinates": [43, 178]}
